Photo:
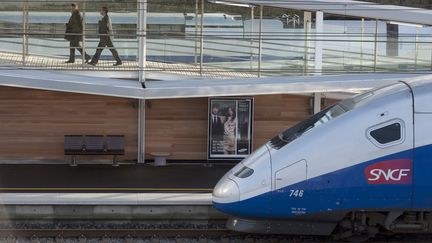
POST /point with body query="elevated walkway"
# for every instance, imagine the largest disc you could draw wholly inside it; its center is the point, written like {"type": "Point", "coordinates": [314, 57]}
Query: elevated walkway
{"type": "Point", "coordinates": [129, 69]}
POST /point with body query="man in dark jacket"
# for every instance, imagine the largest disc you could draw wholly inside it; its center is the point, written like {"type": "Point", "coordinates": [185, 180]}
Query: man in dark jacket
{"type": "Point", "coordinates": [74, 31]}
{"type": "Point", "coordinates": [105, 38]}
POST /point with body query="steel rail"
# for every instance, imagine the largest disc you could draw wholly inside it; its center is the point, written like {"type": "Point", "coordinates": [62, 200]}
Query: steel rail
{"type": "Point", "coordinates": [66, 233]}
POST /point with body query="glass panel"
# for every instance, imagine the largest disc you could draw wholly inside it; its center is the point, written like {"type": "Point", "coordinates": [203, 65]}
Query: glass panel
{"type": "Point", "coordinates": [301, 128]}
{"type": "Point", "coordinates": [284, 43]}
{"type": "Point", "coordinates": [11, 28]}
{"type": "Point", "coordinates": [171, 38]}
{"type": "Point", "coordinates": [48, 46]}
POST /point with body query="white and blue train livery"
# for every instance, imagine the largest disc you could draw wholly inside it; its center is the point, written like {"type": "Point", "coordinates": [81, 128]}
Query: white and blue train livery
{"type": "Point", "coordinates": [361, 166]}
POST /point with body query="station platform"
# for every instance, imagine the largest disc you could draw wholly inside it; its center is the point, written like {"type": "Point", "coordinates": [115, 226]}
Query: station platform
{"type": "Point", "coordinates": [104, 178]}
{"type": "Point", "coordinates": [127, 193]}
{"type": "Point", "coordinates": [119, 199]}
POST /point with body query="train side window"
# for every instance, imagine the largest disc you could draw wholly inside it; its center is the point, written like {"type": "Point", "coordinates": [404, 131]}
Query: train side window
{"type": "Point", "coordinates": [387, 134]}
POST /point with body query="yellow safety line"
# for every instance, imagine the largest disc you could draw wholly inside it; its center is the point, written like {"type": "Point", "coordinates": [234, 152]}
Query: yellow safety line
{"type": "Point", "coordinates": [103, 189]}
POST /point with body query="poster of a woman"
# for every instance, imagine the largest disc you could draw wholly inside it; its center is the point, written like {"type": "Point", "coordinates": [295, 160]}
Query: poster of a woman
{"type": "Point", "coordinates": [230, 128]}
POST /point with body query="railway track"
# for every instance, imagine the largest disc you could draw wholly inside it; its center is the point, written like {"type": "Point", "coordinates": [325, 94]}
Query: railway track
{"type": "Point", "coordinates": [117, 233]}
{"type": "Point", "coordinates": [177, 235]}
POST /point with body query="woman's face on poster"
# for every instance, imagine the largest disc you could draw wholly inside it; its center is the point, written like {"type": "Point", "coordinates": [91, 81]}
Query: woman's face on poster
{"type": "Point", "coordinates": [230, 111]}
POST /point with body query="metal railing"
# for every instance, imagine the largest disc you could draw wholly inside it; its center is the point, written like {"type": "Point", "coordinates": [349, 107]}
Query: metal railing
{"type": "Point", "coordinates": [282, 52]}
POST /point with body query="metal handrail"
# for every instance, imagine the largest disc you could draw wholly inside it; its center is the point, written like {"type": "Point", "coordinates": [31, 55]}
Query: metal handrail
{"type": "Point", "coordinates": [214, 46]}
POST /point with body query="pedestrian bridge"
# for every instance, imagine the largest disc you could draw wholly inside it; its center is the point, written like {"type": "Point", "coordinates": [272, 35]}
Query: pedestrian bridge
{"type": "Point", "coordinates": [200, 44]}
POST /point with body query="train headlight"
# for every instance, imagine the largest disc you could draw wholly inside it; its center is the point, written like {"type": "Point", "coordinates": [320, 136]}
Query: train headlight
{"type": "Point", "coordinates": [226, 191]}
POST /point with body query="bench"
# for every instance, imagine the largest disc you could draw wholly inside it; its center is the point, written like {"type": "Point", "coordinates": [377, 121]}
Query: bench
{"type": "Point", "coordinates": [93, 145]}
{"type": "Point", "coordinates": [160, 158]}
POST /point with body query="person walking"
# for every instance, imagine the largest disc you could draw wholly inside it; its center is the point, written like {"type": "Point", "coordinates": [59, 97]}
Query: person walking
{"type": "Point", "coordinates": [74, 32]}
{"type": "Point", "coordinates": [105, 38]}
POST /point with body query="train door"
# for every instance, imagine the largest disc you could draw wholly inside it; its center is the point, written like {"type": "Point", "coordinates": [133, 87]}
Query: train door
{"type": "Point", "coordinates": [290, 185]}
{"type": "Point", "coordinates": [422, 169]}
{"type": "Point", "coordinates": [422, 180]}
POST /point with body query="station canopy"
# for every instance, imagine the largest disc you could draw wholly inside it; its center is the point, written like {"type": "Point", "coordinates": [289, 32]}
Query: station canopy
{"type": "Point", "coordinates": [63, 82]}
{"type": "Point", "coordinates": [359, 9]}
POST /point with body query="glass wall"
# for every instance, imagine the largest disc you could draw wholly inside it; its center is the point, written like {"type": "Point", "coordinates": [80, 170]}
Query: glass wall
{"type": "Point", "coordinates": [34, 32]}
{"type": "Point", "coordinates": [199, 38]}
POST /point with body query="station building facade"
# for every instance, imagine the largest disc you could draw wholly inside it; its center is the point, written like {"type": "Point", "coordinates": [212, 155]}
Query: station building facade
{"type": "Point", "coordinates": [199, 40]}
{"type": "Point", "coordinates": [34, 122]}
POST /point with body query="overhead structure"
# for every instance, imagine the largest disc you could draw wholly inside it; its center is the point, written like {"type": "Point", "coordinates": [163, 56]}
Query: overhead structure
{"type": "Point", "coordinates": [347, 8]}
{"type": "Point", "coordinates": [55, 81]}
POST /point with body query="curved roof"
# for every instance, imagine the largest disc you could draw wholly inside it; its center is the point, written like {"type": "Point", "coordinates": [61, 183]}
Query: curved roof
{"type": "Point", "coordinates": [349, 8]}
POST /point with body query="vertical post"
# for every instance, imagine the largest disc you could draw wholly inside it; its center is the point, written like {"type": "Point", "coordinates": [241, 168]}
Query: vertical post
{"type": "Point", "coordinates": [319, 31]}
{"type": "Point", "coordinates": [416, 47]}
{"type": "Point", "coordinates": [141, 131]}
{"type": "Point", "coordinates": [361, 43]}
{"type": "Point", "coordinates": [142, 33]}
{"type": "Point", "coordinates": [316, 102]}
{"type": "Point", "coordinates": [375, 45]}
{"type": "Point", "coordinates": [25, 33]}
{"type": "Point", "coordinates": [202, 37]}
{"type": "Point", "coordinates": [307, 26]}
{"type": "Point", "coordinates": [83, 34]}
{"type": "Point", "coordinates": [260, 41]}
{"type": "Point", "coordinates": [196, 33]}
{"type": "Point", "coordinates": [252, 27]}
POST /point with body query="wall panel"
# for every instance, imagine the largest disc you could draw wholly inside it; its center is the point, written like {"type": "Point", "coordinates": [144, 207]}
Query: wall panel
{"type": "Point", "coordinates": [179, 126]}
{"type": "Point", "coordinates": [33, 123]}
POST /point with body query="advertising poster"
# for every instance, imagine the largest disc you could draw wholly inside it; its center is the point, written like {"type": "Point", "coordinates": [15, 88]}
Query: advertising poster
{"type": "Point", "coordinates": [230, 128]}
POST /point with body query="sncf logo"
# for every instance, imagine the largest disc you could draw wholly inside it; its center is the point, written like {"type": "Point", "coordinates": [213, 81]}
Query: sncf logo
{"type": "Point", "coordinates": [397, 171]}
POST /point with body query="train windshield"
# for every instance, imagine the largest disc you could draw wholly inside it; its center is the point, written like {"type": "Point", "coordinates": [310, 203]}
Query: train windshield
{"type": "Point", "coordinates": [301, 128]}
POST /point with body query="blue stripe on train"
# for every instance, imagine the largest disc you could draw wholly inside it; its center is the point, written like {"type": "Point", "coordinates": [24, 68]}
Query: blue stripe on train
{"type": "Point", "coordinates": [344, 189]}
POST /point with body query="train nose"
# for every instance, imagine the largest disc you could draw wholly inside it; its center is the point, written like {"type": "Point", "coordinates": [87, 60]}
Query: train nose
{"type": "Point", "coordinates": [226, 191]}
{"type": "Point", "coordinates": [225, 196]}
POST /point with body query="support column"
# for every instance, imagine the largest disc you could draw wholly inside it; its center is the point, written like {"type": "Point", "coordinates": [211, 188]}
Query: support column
{"type": "Point", "coordinates": [260, 41]}
{"type": "Point", "coordinates": [141, 131]}
{"type": "Point", "coordinates": [252, 16]}
{"type": "Point", "coordinates": [416, 48]}
{"type": "Point", "coordinates": [196, 33]}
{"type": "Point", "coordinates": [375, 46]}
{"type": "Point", "coordinates": [316, 102]}
{"type": "Point", "coordinates": [307, 26]}
{"type": "Point", "coordinates": [319, 31]}
{"type": "Point", "coordinates": [141, 34]}
{"type": "Point", "coordinates": [361, 43]}
{"type": "Point", "coordinates": [142, 38]}
{"type": "Point", "coordinates": [25, 32]}
{"type": "Point", "coordinates": [83, 34]}
{"type": "Point", "coordinates": [202, 37]}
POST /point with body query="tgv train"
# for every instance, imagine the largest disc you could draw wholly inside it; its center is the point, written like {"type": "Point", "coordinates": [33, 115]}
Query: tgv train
{"type": "Point", "coordinates": [361, 166]}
